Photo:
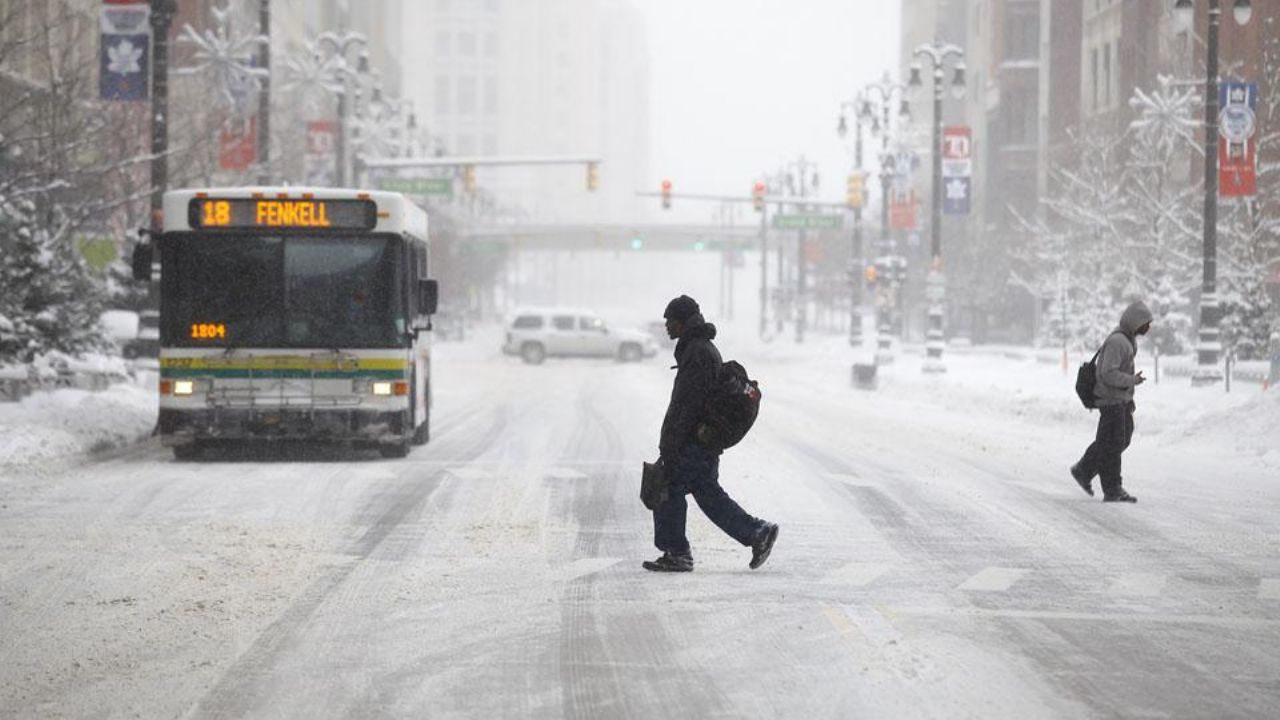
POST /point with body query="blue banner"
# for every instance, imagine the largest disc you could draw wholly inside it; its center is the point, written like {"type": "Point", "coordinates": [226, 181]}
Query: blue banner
{"type": "Point", "coordinates": [124, 55]}
{"type": "Point", "coordinates": [955, 195]}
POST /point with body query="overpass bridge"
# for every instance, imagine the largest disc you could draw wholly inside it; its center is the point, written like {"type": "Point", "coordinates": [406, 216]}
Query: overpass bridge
{"type": "Point", "coordinates": [608, 237]}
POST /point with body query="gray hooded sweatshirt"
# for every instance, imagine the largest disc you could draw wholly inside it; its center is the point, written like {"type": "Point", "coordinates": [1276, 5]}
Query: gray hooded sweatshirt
{"type": "Point", "coordinates": [1115, 363]}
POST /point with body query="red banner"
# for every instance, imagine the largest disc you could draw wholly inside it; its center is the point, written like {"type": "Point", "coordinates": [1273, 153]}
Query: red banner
{"type": "Point", "coordinates": [238, 144]}
{"type": "Point", "coordinates": [902, 210]}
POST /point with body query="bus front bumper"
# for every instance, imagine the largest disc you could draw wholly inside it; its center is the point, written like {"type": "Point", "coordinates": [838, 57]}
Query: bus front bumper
{"type": "Point", "coordinates": [183, 427]}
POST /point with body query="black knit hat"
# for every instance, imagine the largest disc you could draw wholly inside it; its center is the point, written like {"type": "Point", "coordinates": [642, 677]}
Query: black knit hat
{"type": "Point", "coordinates": [681, 309]}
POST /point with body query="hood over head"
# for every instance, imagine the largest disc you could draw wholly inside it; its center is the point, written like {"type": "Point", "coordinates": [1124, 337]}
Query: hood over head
{"type": "Point", "coordinates": [1134, 317]}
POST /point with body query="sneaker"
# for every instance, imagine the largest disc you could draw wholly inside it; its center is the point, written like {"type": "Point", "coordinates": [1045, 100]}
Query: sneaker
{"type": "Point", "coordinates": [1120, 496]}
{"type": "Point", "coordinates": [670, 563]}
{"type": "Point", "coordinates": [763, 545]}
{"type": "Point", "coordinates": [1086, 483]}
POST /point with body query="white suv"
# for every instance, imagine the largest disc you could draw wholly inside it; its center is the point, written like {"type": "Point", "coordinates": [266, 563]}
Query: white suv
{"type": "Point", "coordinates": [562, 332]}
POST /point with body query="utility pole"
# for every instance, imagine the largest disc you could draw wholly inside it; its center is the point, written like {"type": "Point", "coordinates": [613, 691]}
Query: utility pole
{"type": "Point", "coordinates": [264, 94]}
{"type": "Point", "coordinates": [162, 12]}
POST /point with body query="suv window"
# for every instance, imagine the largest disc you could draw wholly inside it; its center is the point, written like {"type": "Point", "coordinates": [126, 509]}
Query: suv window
{"type": "Point", "coordinates": [592, 324]}
{"type": "Point", "coordinates": [527, 322]}
{"type": "Point", "coordinates": [563, 322]}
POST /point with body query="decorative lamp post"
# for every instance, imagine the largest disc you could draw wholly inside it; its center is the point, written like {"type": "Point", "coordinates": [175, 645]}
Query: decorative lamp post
{"type": "Point", "coordinates": [855, 255]}
{"type": "Point", "coordinates": [337, 49]}
{"type": "Point", "coordinates": [937, 54]}
{"type": "Point", "coordinates": [801, 177]}
{"type": "Point", "coordinates": [1210, 345]}
{"type": "Point", "coordinates": [162, 12]}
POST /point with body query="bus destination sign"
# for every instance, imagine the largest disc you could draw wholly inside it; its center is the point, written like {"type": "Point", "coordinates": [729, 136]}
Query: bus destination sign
{"type": "Point", "coordinates": [281, 213]}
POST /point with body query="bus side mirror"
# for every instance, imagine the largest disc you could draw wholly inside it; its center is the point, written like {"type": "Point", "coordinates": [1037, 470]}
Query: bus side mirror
{"type": "Point", "coordinates": [428, 296]}
{"type": "Point", "coordinates": [142, 256]}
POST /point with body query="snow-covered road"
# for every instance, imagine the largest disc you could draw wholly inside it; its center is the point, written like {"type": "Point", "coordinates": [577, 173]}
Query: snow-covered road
{"type": "Point", "coordinates": [935, 560]}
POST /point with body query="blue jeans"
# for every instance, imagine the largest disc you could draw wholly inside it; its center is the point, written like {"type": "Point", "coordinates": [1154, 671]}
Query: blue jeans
{"type": "Point", "coordinates": [697, 471]}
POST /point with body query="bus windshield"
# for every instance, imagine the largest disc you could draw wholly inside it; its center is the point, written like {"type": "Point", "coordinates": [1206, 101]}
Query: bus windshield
{"type": "Point", "coordinates": [270, 291]}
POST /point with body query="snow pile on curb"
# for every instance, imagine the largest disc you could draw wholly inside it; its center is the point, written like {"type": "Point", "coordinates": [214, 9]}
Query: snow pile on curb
{"type": "Point", "coordinates": [46, 428]}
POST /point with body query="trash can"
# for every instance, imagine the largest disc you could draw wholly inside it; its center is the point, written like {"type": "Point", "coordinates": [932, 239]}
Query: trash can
{"type": "Point", "coordinates": [864, 376]}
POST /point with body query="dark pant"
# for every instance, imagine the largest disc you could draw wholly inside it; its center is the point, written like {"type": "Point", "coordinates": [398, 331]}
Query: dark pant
{"type": "Point", "coordinates": [1115, 430]}
{"type": "Point", "coordinates": [696, 470]}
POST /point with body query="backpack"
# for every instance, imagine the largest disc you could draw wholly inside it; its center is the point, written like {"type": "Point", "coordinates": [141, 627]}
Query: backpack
{"type": "Point", "coordinates": [730, 410]}
{"type": "Point", "coordinates": [1087, 379]}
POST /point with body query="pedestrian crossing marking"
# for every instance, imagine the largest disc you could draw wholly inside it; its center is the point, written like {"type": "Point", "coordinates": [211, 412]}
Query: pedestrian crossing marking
{"type": "Point", "coordinates": [993, 579]}
{"type": "Point", "coordinates": [583, 567]}
{"type": "Point", "coordinates": [856, 574]}
{"type": "Point", "coordinates": [1138, 584]}
{"type": "Point", "coordinates": [1269, 589]}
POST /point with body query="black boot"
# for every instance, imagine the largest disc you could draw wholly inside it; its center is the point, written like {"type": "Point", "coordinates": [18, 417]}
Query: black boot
{"type": "Point", "coordinates": [1119, 496]}
{"type": "Point", "coordinates": [1085, 483]}
{"type": "Point", "coordinates": [670, 563]}
{"type": "Point", "coordinates": [763, 545]}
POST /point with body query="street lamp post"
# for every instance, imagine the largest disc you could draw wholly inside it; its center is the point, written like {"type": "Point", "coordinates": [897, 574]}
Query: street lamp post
{"type": "Point", "coordinates": [937, 53]}
{"type": "Point", "coordinates": [884, 343]}
{"type": "Point", "coordinates": [1210, 345]}
{"type": "Point", "coordinates": [338, 46]}
{"type": "Point", "coordinates": [855, 254]}
{"type": "Point", "coordinates": [162, 12]}
{"type": "Point", "coordinates": [801, 177]}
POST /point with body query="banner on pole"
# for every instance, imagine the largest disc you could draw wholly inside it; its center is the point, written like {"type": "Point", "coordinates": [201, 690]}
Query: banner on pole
{"type": "Point", "coordinates": [238, 144]}
{"type": "Point", "coordinates": [902, 210]}
{"type": "Point", "coordinates": [957, 170]}
{"type": "Point", "coordinates": [124, 55]}
{"type": "Point", "coordinates": [321, 153]}
{"type": "Point", "coordinates": [1237, 146]}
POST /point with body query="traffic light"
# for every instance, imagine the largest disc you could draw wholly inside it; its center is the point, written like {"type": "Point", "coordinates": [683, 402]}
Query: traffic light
{"type": "Point", "coordinates": [593, 176]}
{"type": "Point", "coordinates": [857, 192]}
{"type": "Point", "coordinates": [871, 275]}
{"type": "Point", "coordinates": [469, 178]}
{"type": "Point", "coordinates": [757, 196]}
{"type": "Point", "coordinates": [666, 194]}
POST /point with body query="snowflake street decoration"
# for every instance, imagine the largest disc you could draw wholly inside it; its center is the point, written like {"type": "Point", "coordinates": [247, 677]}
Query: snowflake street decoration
{"type": "Point", "coordinates": [124, 59]}
{"type": "Point", "coordinates": [1165, 116]}
{"type": "Point", "coordinates": [313, 75]}
{"type": "Point", "coordinates": [228, 59]}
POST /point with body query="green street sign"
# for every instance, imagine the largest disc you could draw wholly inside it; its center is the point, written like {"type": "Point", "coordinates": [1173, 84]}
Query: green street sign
{"type": "Point", "coordinates": [417, 186]}
{"type": "Point", "coordinates": [807, 222]}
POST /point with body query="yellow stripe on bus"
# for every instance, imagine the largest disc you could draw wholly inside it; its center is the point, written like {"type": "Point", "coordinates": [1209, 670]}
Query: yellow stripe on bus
{"type": "Point", "coordinates": [281, 362]}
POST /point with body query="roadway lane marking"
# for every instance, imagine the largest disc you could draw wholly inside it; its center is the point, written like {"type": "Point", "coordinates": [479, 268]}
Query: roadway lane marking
{"type": "Point", "coordinates": [1269, 589]}
{"type": "Point", "coordinates": [869, 621]}
{"type": "Point", "coordinates": [1138, 584]}
{"type": "Point", "coordinates": [993, 579]}
{"type": "Point", "coordinates": [583, 567]}
{"type": "Point", "coordinates": [564, 473]}
{"type": "Point", "coordinates": [856, 574]}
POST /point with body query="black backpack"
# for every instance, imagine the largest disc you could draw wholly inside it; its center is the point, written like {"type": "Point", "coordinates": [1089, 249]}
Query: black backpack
{"type": "Point", "coordinates": [1087, 379]}
{"type": "Point", "coordinates": [731, 409]}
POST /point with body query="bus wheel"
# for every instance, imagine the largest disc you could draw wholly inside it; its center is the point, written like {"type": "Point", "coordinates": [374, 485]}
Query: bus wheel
{"type": "Point", "coordinates": [186, 453]}
{"type": "Point", "coordinates": [533, 353]}
{"type": "Point", "coordinates": [398, 450]}
{"type": "Point", "coordinates": [423, 432]}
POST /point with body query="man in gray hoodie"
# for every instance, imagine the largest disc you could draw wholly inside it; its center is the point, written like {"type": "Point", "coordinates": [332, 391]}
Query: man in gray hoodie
{"type": "Point", "coordinates": [1114, 393]}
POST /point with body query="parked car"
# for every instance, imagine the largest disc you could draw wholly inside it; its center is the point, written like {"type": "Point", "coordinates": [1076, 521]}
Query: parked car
{"type": "Point", "coordinates": [147, 342]}
{"type": "Point", "coordinates": [536, 334]}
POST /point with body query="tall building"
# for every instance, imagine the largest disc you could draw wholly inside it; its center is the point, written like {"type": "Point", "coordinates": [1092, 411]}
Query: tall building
{"type": "Point", "coordinates": [556, 77]}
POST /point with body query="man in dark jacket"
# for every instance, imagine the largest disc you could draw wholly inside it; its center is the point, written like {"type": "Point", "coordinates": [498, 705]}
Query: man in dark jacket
{"type": "Point", "coordinates": [689, 467]}
{"type": "Point", "coordinates": [1114, 392]}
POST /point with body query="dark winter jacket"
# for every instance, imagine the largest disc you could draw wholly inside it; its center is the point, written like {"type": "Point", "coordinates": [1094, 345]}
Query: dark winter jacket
{"type": "Point", "coordinates": [1116, 378]}
{"type": "Point", "coordinates": [697, 369]}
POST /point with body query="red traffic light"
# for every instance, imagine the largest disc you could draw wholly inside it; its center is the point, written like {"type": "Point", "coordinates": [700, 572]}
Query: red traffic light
{"type": "Point", "coordinates": [666, 186]}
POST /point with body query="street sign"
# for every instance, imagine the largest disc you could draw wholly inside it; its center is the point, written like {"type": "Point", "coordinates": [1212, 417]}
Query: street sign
{"type": "Point", "coordinates": [807, 222]}
{"type": "Point", "coordinates": [417, 185]}
{"type": "Point", "coordinates": [124, 56]}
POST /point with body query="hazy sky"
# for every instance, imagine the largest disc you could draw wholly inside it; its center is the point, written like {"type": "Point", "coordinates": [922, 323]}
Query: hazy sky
{"type": "Point", "coordinates": [742, 86]}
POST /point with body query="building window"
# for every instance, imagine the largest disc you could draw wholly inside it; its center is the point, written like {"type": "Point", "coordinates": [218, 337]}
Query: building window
{"type": "Point", "coordinates": [467, 94]}
{"type": "Point", "coordinates": [490, 144]}
{"type": "Point", "coordinates": [442, 95]}
{"type": "Point", "coordinates": [465, 144]}
{"type": "Point", "coordinates": [466, 44]}
{"type": "Point", "coordinates": [1022, 33]}
{"type": "Point", "coordinates": [491, 95]}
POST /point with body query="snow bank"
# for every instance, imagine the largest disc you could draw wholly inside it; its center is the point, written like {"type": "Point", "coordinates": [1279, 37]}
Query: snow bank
{"type": "Point", "coordinates": [51, 427]}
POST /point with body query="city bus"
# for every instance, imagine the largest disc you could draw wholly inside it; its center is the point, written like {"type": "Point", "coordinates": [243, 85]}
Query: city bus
{"type": "Point", "coordinates": [293, 314]}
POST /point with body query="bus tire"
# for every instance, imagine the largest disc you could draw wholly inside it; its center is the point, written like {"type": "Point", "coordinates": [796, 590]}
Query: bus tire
{"type": "Point", "coordinates": [422, 433]}
{"type": "Point", "coordinates": [533, 353]}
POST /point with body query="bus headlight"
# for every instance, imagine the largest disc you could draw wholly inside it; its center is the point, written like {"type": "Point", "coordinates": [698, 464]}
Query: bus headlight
{"type": "Point", "coordinates": [382, 388]}
{"type": "Point", "coordinates": [184, 387]}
